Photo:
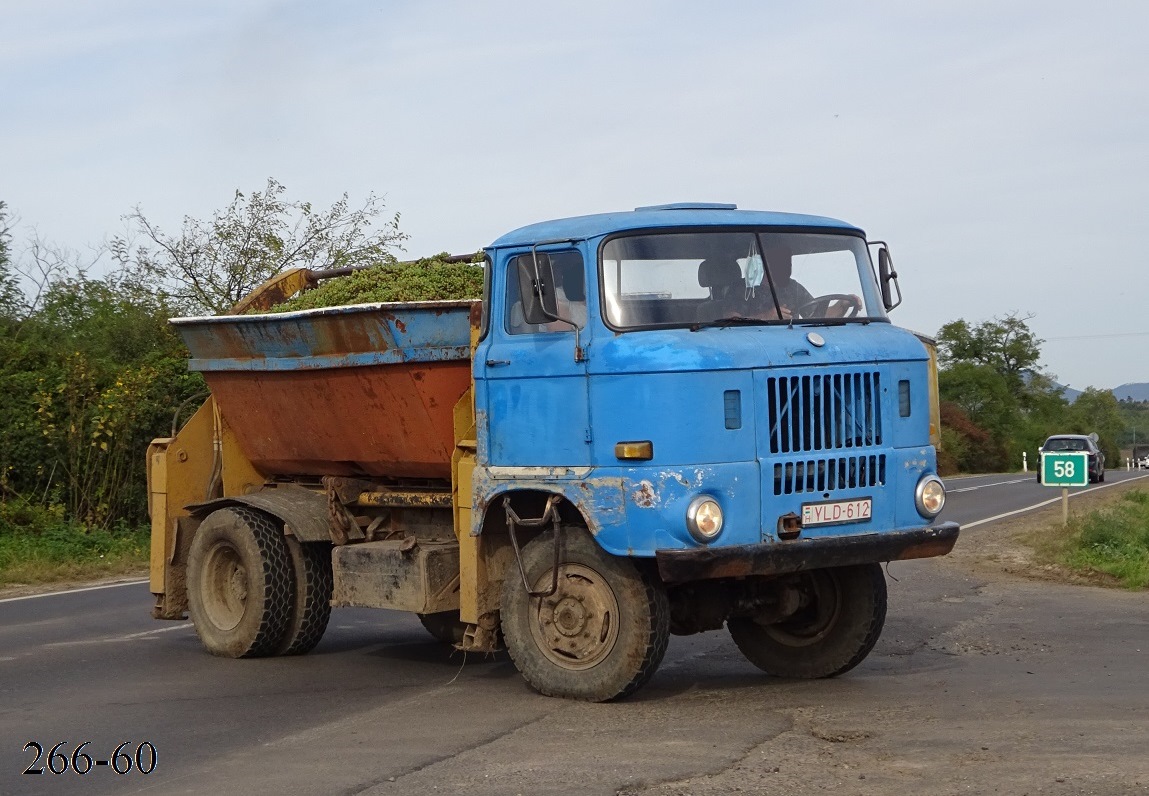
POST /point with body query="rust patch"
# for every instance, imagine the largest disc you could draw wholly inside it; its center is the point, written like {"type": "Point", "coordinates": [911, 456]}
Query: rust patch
{"type": "Point", "coordinates": [645, 497]}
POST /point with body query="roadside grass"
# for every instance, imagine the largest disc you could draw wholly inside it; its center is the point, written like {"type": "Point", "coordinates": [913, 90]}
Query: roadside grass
{"type": "Point", "coordinates": [37, 545]}
{"type": "Point", "coordinates": [1109, 541]}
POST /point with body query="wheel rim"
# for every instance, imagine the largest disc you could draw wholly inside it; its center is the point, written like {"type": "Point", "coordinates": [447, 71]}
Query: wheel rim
{"type": "Point", "coordinates": [813, 622]}
{"type": "Point", "coordinates": [224, 587]}
{"type": "Point", "coordinates": [577, 626]}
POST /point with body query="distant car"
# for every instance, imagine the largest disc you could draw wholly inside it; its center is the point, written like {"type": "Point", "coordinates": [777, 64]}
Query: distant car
{"type": "Point", "coordinates": [1077, 443]}
{"type": "Point", "coordinates": [1144, 463]}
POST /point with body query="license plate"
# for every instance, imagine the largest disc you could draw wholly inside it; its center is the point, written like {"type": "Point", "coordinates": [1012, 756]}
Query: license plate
{"type": "Point", "coordinates": [835, 512]}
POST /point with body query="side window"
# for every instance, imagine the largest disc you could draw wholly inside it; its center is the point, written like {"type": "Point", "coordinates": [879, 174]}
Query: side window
{"type": "Point", "coordinates": [570, 289]}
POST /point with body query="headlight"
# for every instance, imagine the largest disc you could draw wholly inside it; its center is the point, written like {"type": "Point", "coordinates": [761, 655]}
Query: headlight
{"type": "Point", "coordinates": [704, 518]}
{"type": "Point", "coordinates": [930, 496]}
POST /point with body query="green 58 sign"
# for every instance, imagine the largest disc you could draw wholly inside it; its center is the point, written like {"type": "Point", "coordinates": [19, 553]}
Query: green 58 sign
{"type": "Point", "coordinates": [1065, 469]}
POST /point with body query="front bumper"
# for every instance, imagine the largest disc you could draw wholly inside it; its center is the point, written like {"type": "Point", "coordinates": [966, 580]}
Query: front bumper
{"type": "Point", "coordinates": [777, 558]}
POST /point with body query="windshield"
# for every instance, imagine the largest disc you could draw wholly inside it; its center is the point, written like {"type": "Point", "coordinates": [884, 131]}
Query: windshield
{"type": "Point", "coordinates": [703, 278]}
{"type": "Point", "coordinates": [1066, 445]}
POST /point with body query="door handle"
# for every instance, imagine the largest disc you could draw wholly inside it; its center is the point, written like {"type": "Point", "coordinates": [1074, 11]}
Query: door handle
{"type": "Point", "coordinates": [494, 363]}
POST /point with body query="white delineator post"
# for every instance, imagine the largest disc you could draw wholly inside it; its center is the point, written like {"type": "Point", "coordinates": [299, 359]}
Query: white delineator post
{"type": "Point", "coordinates": [1024, 463]}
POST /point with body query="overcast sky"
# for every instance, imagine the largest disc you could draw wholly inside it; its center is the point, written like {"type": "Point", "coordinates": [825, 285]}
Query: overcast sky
{"type": "Point", "coordinates": [1002, 148]}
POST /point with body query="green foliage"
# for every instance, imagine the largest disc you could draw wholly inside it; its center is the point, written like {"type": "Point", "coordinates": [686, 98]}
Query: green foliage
{"type": "Point", "coordinates": [982, 393]}
{"type": "Point", "coordinates": [1004, 344]}
{"type": "Point", "coordinates": [429, 279]}
{"type": "Point", "coordinates": [1114, 540]}
{"type": "Point", "coordinates": [39, 544]}
{"type": "Point", "coordinates": [1001, 405]}
{"type": "Point", "coordinates": [211, 265]}
{"type": "Point", "coordinates": [91, 375]}
{"type": "Point", "coordinates": [1097, 411]}
{"type": "Point", "coordinates": [11, 297]}
{"type": "Point", "coordinates": [1135, 423]}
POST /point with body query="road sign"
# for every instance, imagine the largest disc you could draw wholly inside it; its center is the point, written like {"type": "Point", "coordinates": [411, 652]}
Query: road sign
{"type": "Point", "coordinates": [1065, 469]}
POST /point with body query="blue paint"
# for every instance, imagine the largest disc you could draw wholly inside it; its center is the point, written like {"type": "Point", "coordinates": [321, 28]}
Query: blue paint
{"type": "Point", "coordinates": [352, 336]}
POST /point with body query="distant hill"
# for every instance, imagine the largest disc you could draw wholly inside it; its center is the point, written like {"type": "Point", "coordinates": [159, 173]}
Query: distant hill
{"type": "Point", "coordinates": [1135, 391]}
{"type": "Point", "coordinates": [1132, 392]}
{"type": "Point", "coordinates": [1068, 393]}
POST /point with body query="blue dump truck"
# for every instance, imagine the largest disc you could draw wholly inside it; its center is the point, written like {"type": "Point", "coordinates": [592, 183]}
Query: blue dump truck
{"type": "Point", "coordinates": [671, 420]}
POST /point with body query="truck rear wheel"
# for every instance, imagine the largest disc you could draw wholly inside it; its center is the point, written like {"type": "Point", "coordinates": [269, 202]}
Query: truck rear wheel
{"type": "Point", "coordinates": [842, 614]}
{"type": "Point", "coordinates": [240, 583]}
{"type": "Point", "coordinates": [600, 636]}
{"type": "Point", "coordinates": [311, 608]}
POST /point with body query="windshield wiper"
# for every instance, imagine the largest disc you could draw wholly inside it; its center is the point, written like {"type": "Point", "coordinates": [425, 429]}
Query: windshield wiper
{"type": "Point", "coordinates": [734, 320]}
{"type": "Point", "coordinates": [829, 321]}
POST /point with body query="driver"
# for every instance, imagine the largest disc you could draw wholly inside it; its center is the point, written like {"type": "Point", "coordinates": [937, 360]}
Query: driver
{"type": "Point", "coordinates": [792, 295]}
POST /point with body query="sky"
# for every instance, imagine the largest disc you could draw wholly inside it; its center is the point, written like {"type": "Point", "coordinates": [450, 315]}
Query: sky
{"type": "Point", "coordinates": [1001, 148]}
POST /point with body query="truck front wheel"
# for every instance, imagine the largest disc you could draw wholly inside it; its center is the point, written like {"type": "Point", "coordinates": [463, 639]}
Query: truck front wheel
{"type": "Point", "coordinates": [241, 584]}
{"type": "Point", "coordinates": [600, 636]}
{"type": "Point", "coordinates": [841, 614]}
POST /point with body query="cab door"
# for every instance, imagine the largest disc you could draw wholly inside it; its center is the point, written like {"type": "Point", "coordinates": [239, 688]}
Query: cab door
{"type": "Point", "coordinates": [532, 385]}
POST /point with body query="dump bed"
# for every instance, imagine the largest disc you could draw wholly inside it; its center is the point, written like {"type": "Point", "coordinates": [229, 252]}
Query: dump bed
{"type": "Point", "coordinates": [364, 390]}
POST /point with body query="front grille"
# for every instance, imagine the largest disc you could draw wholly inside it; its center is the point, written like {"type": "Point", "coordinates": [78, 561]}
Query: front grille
{"type": "Point", "coordinates": [825, 411]}
{"type": "Point", "coordinates": [829, 474]}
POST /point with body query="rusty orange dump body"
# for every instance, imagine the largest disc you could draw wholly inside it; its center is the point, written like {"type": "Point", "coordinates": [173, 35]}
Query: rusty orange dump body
{"type": "Point", "coordinates": [358, 390]}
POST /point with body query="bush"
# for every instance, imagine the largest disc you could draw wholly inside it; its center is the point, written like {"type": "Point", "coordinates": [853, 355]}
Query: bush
{"type": "Point", "coordinates": [39, 544]}
{"type": "Point", "coordinates": [1114, 540]}
{"type": "Point", "coordinates": [90, 377]}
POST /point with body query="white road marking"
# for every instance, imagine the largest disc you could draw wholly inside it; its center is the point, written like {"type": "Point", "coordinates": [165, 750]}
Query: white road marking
{"type": "Point", "coordinates": [975, 523]}
{"type": "Point", "coordinates": [129, 637]}
{"type": "Point", "coordinates": [983, 486]}
{"type": "Point", "coordinates": [74, 591]}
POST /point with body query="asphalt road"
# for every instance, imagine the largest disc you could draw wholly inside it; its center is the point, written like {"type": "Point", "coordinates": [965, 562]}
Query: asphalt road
{"type": "Point", "coordinates": [981, 497]}
{"type": "Point", "coordinates": [977, 686]}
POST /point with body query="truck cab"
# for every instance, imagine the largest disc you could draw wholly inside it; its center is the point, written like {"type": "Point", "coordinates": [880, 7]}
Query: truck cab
{"type": "Point", "coordinates": [717, 394]}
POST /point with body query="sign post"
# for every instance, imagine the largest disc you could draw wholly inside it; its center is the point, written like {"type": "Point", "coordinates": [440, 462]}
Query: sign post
{"type": "Point", "coordinates": [1065, 469]}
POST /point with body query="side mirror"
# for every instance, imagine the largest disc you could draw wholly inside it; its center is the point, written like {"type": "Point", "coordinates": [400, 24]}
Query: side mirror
{"type": "Point", "coordinates": [537, 288]}
{"type": "Point", "coordinates": [888, 279]}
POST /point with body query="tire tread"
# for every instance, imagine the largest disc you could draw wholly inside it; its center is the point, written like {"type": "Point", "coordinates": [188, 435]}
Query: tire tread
{"type": "Point", "coordinates": [826, 661]}
{"type": "Point", "coordinates": [583, 686]}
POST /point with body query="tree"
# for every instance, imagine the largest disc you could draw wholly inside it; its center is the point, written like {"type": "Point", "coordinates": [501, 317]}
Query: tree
{"type": "Point", "coordinates": [211, 265]}
{"type": "Point", "coordinates": [983, 395]}
{"type": "Point", "coordinates": [1097, 411]}
{"type": "Point", "coordinates": [11, 297]}
{"type": "Point", "coordinates": [989, 371]}
{"type": "Point", "coordinates": [1005, 344]}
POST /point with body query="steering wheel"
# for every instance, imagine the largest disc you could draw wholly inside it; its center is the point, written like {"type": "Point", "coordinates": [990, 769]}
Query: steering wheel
{"type": "Point", "coordinates": [821, 305]}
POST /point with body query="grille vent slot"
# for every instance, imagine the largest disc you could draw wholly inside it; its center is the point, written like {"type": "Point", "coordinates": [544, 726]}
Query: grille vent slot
{"type": "Point", "coordinates": [829, 475]}
{"type": "Point", "coordinates": [825, 411]}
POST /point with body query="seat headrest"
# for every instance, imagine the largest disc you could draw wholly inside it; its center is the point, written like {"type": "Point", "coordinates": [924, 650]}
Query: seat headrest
{"type": "Point", "coordinates": [718, 273]}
